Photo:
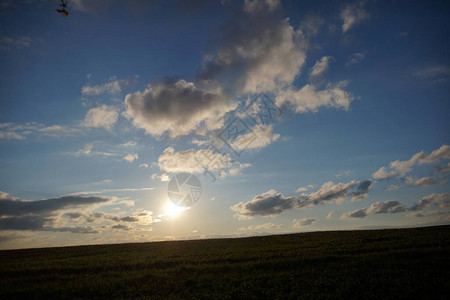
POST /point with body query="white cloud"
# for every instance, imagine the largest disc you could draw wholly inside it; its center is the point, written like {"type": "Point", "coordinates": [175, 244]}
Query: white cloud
{"type": "Point", "coordinates": [143, 165]}
{"type": "Point", "coordinates": [331, 214]}
{"type": "Point", "coordinates": [260, 137]}
{"type": "Point", "coordinates": [113, 86]}
{"type": "Point", "coordinates": [392, 188]}
{"type": "Point", "coordinates": [178, 108]}
{"type": "Point", "coordinates": [257, 53]}
{"type": "Point", "coordinates": [397, 168]}
{"type": "Point", "coordinates": [355, 58]}
{"type": "Point", "coordinates": [320, 67]}
{"type": "Point", "coordinates": [193, 161]}
{"type": "Point", "coordinates": [352, 14]}
{"type": "Point", "coordinates": [309, 98]}
{"type": "Point", "coordinates": [131, 157]}
{"type": "Point", "coordinates": [296, 223]}
{"type": "Point", "coordinates": [101, 117]}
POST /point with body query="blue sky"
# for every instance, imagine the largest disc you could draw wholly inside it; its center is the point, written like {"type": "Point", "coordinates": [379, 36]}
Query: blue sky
{"type": "Point", "coordinates": [100, 109]}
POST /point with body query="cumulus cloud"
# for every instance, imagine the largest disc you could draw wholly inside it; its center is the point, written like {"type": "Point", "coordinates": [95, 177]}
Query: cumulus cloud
{"type": "Point", "coordinates": [259, 51]}
{"type": "Point", "coordinates": [101, 117]}
{"type": "Point", "coordinates": [265, 226]}
{"type": "Point", "coordinates": [353, 14]}
{"type": "Point", "coordinates": [195, 161]}
{"type": "Point", "coordinates": [131, 157]}
{"type": "Point", "coordinates": [437, 200]}
{"type": "Point", "coordinates": [361, 190]}
{"type": "Point", "coordinates": [397, 168]}
{"type": "Point", "coordinates": [112, 87]}
{"type": "Point", "coordinates": [442, 169]}
{"type": "Point", "coordinates": [389, 206]}
{"type": "Point", "coordinates": [296, 223]}
{"type": "Point", "coordinates": [424, 181]}
{"type": "Point", "coordinates": [310, 97]}
{"type": "Point", "coordinates": [39, 215]}
{"type": "Point", "coordinates": [260, 136]}
{"type": "Point", "coordinates": [320, 67]}
{"type": "Point", "coordinates": [177, 108]}
{"type": "Point", "coordinates": [392, 187]}
{"type": "Point", "coordinates": [268, 204]}
{"type": "Point", "coordinates": [331, 214]}
{"type": "Point", "coordinates": [272, 203]}
{"type": "Point", "coordinates": [355, 58]}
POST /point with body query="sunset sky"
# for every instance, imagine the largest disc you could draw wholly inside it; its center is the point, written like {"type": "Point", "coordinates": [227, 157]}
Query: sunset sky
{"type": "Point", "coordinates": [294, 115]}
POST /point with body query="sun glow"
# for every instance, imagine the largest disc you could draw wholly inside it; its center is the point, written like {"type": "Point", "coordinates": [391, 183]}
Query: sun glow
{"type": "Point", "coordinates": [172, 210]}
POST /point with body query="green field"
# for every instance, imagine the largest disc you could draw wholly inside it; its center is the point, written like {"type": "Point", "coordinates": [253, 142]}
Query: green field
{"type": "Point", "coordinates": [396, 263]}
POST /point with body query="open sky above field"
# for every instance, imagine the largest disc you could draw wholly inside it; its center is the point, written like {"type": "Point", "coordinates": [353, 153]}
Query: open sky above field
{"type": "Point", "coordinates": [294, 116]}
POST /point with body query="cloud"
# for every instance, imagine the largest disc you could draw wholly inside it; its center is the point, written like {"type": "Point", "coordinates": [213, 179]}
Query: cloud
{"type": "Point", "coordinates": [296, 223]}
{"type": "Point", "coordinates": [265, 226]}
{"type": "Point", "coordinates": [259, 137]}
{"type": "Point", "coordinates": [195, 161]}
{"type": "Point", "coordinates": [304, 189]}
{"type": "Point", "coordinates": [421, 214]}
{"type": "Point", "coordinates": [101, 117]}
{"type": "Point", "coordinates": [361, 190]}
{"type": "Point", "coordinates": [178, 108]}
{"type": "Point", "coordinates": [435, 72]}
{"type": "Point", "coordinates": [329, 191]}
{"type": "Point", "coordinates": [437, 200]}
{"type": "Point", "coordinates": [39, 215]}
{"type": "Point", "coordinates": [131, 157]}
{"type": "Point", "coordinates": [331, 214]}
{"type": "Point", "coordinates": [320, 67]}
{"type": "Point", "coordinates": [259, 51]}
{"type": "Point", "coordinates": [32, 129]}
{"type": "Point", "coordinates": [9, 43]}
{"type": "Point", "coordinates": [424, 181]}
{"type": "Point", "coordinates": [397, 168]}
{"type": "Point", "coordinates": [272, 203]}
{"type": "Point", "coordinates": [442, 169]}
{"type": "Point", "coordinates": [162, 177]}
{"type": "Point", "coordinates": [389, 206]}
{"type": "Point", "coordinates": [392, 188]}
{"type": "Point", "coordinates": [268, 204]}
{"type": "Point", "coordinates": [353, 14]}
{"type": "Point", "coordinates": [310, 97]}
{"type": "Point", "coordinates": [343, 173]}
{"type": "Point", "coordinates": [112, 87]}
{"type": "Point", "coordinates": [258, 6]}
{"type": "Point", "coordinates": [355, 58]}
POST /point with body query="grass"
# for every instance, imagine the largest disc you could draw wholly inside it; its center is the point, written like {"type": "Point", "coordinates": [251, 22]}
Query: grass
{"type": "Point", "coordinates": [394, 263]}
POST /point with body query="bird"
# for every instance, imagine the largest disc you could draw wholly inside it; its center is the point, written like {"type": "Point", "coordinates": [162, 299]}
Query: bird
{"type": "Point", "coordinates": [64, 12]}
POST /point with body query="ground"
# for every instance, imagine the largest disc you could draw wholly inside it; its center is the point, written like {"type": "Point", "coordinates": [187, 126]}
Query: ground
{"type": "Point", "coordinates": [394, 263]}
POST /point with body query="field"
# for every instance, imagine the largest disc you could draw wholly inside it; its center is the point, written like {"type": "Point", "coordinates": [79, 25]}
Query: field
{"type": "Point", "coordinates": [395, 263]}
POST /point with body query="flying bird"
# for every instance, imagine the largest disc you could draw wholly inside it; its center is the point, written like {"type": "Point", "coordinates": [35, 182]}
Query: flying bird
{"type": "Point", "coordinates": [63, 11]}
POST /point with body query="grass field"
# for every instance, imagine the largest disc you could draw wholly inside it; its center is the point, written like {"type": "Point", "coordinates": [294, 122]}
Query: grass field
{"type": "Point", "coordinates": [397, 263]}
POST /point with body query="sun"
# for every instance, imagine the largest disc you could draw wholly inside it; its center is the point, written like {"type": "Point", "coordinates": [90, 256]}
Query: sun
{"type": "Point", "coordinates": [172, 210]}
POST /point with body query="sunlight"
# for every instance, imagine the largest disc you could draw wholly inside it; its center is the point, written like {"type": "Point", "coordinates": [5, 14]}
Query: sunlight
{"type": "Point", "coordinates": [172, 210]}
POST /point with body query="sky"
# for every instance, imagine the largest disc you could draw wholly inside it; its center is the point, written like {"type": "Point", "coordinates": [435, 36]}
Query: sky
{"type": "Point", "coordinates": [294, 116]}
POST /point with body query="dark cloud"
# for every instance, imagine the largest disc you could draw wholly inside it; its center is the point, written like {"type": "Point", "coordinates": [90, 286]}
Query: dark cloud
{"type": "Point", "coordinates": [437, 200]}
{"type": "Point", "coordinates": [272, 203]}
{"type": "Point", "coordinates": [39, 215]}
{"type": "Point", "coordinates": [389, 206]}
{"type": "Point", "coordinates": [120, 226]}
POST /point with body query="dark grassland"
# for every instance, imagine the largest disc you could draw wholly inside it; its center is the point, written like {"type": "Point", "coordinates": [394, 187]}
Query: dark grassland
{"type": "Point", "coordinates": [396, 263]}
